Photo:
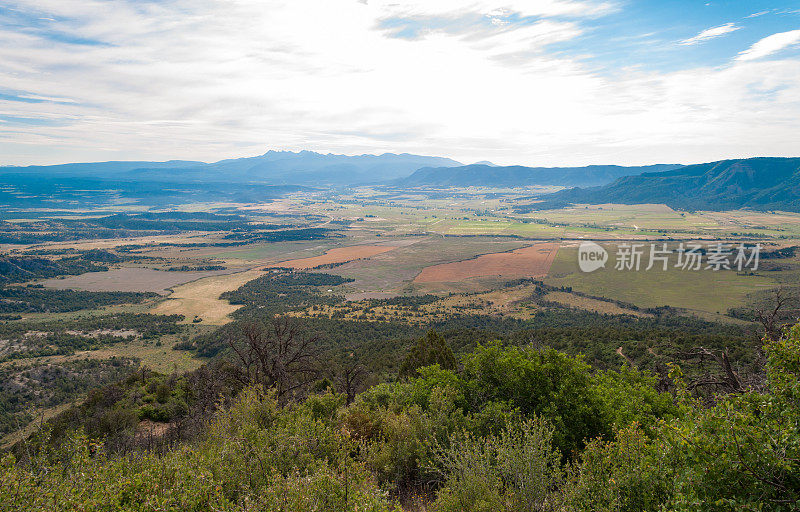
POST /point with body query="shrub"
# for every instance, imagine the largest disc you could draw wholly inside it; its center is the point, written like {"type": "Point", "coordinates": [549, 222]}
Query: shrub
{"type": "Point", "coordinates": [515, 471]}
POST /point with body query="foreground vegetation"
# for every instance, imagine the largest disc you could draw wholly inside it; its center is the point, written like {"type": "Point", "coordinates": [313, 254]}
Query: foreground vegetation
{"type": "Point", "coordinates": [509, 428]}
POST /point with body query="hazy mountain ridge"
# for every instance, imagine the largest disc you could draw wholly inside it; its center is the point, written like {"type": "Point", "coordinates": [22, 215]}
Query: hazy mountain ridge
{"type": "Point", "coordinates": [760, 183]}
{"type": "Point", "coordinates": [96, 169]}
{"type": "Point", "coordinates": [273, 167]}
{"type": "Point", "coordinates": [519, 176]}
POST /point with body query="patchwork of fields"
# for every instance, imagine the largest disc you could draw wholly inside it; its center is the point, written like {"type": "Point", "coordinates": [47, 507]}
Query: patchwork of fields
{"type": "Point", "coordinates": [410, 258]}
{"type": "Point", "coordinates": [416, 244]}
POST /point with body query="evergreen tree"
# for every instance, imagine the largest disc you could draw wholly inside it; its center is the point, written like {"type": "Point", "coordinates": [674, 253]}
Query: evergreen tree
{"type": "Point", "coordinates": [429, 350]}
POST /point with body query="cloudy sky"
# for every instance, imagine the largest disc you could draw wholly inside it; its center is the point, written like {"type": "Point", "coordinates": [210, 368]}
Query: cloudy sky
{"type": "Point", "coordinates": [538, 82]}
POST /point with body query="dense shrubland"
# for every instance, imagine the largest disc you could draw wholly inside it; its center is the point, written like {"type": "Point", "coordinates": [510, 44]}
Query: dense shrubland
{"type": "Point", "coordinates": [509, 429]}
{"type": "Point", "coordinates": [37, 299]}
{"type": "Point", "coordinates": [648, 343]}
{"type": "Point", "coordinates": [48, 385]}
{"type": "Point", "coordinates": [15, 269]}
{"type": "Point", "coordinates": [284, 290]}
{"type": "Point", "coordinates": [35, 338]}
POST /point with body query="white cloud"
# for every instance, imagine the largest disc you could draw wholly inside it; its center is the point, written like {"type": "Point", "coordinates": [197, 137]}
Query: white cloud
{"type": "Point", "coordinates": [711, 33]}
{"type": "Point", "coordinates": [770, 44]}
{"type": "Point", "coordinates": [209, 79]}
{"type": "Point", "coordinates": [449, 8]}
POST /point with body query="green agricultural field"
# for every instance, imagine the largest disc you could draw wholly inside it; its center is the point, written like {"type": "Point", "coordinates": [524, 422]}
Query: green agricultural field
{"type": "Point", "coordinates": [703, 290]}
{"type": "Point", "coordinates": [644, 217]}
{"type": "Point", "coordinates": [274, 251]}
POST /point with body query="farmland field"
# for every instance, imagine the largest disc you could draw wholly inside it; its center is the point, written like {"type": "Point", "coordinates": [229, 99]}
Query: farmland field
{"type": "Point", "coordinates": [200, 299]}
{"type": "Point", "coordinates": [701, 290]}
{"type": "Point", "coordinates": [130, 279]}
{"type": "Point", "coordinates": [393, 272]}
{"type": "Point", "coordinates": [337, 255]}
{"type": "Point", "coordinates": [533, 261]}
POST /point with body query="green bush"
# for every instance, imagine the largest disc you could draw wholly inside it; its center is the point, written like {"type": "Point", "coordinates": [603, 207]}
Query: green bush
{"type": "Point", "coordinates": [516, 430]}
{"type": "Point", "coordinates": [515, 471]}
{"type": "Point", "coordinates": [254, 457]}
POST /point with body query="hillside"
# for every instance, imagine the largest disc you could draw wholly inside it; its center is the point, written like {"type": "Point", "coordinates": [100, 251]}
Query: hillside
{"type": "Point", "coordinates": [273, 167]}
{"type": "Point", "coordinates": [758, 183]}
{"type": "Point", "coordinates": [501, 428]}
{"type": "Point", "coordinates": [480, 175]}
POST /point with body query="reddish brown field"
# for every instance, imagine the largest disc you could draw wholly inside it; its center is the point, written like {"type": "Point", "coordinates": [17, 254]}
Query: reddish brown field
{"type": "Point", "coordinates": [338, 255]}
{"type": "Point", "coordinates": [533, 261]}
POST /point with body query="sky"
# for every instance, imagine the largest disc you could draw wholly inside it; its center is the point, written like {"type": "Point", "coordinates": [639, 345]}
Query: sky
{"type": "Point", "coordinates": [531, 82]}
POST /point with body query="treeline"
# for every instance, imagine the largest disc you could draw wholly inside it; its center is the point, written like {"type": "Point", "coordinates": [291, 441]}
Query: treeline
{"type": "Point", "coordinates": [286, 235]}
{"type": "Point", "coordinates": [134, 225]}
{"type": "Point", "coordinates": [97, 255]}
{"type": "Point", "coordinates": [196, 268]}
{"type": "Point", "coordinates": [541, 289]}
{"type": "Point", "coordinates": [179, 221]}
{"type": "Point", "coordinates": [15, 269]}
{"type": "Point", "coordinates": [54, 230]}
{"type": "Point", "coordinates": [37, 299]}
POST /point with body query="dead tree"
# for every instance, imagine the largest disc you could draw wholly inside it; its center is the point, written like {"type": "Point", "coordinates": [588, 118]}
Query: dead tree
{"type": "Point", "coordinates": [727, 380]}
{"type": "Point", "coordinates": [276, 355]}
{"type": "Point", "coordinates": [772, 316]}
{"type": "Point", "coordinates": [350, 377]}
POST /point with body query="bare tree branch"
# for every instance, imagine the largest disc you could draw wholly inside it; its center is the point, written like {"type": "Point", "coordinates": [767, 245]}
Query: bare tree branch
{"type": "Point", "coordinates": [349, 377]}
{"type": "Point", "coordinates": [276, 355]}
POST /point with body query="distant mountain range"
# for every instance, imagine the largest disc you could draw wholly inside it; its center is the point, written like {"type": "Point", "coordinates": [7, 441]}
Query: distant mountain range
{"type": "Point", "coordinates": [482, 175]}
{"type": "Point", "coordinates": [758, 183]}
{"type": "Point", "coordinates": [273, 168]}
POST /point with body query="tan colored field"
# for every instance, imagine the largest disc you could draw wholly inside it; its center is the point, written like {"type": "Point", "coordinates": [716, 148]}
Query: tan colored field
{"type": "Point", "coordinates": [130, 279]}
{"type": "Point", "coordinates": [110, 243]}
{"type": "Point", "coordinates": [533, 261]}
{"type": "Point", "coordinates": [597, 306]}
{"type": "Point", "coordinates": [338, 255]}
{"type": "Point", "coordinates": [201, 298]}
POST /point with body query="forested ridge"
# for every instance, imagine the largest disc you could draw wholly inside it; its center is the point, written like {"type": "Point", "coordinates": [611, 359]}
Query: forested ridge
{"type": "Point", "coordinates": [757, 183]}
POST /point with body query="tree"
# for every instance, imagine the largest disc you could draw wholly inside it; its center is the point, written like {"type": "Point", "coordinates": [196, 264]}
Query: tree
{"type": "Point", "coordinates": [349, 377]}
{"type": "Point", "coordinates": [775, 315]}
{"type": "Point", "coordinates": [546, 383]}
{"type": "Point", "coordinates": [429, 350]}
{"type": "Point", "coordinates": [727, 380]}
{"type": "Point", "coordinates": [276, 355]}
